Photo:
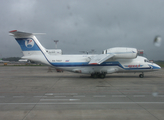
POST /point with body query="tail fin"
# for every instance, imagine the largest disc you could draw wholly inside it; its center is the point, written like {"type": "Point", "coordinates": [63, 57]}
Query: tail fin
{"type": "Point", "coordinates": [31, 47]}
{"type": "Point", "coordinates": [28, 42]}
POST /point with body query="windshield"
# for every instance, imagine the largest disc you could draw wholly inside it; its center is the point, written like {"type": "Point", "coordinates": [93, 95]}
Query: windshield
{"type": "Point", "coordinates": [146, 60]}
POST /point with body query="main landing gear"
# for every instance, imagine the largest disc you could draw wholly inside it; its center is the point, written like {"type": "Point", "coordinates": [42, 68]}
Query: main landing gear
{"type": "Point", "coordinates": [98, 75]}
{"type": "Point", "coordinates": [141, 75]}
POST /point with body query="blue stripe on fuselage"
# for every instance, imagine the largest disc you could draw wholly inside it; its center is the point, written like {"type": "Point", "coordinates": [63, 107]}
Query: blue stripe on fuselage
{"type": "Point", "coordinates": [79, 64]}
{"type": "Point", "coordinates": [86, 64]}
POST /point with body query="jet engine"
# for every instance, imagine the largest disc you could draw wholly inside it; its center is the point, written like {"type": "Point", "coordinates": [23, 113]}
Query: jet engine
{"type": "Point", "coordinates": [122, 52]}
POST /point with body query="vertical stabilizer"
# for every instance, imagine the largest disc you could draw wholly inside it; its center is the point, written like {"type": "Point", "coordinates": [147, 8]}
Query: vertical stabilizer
{"type": "Point", "coordinates": [31, 47]}
{"type": "Point", "coordinates": [28, 42]}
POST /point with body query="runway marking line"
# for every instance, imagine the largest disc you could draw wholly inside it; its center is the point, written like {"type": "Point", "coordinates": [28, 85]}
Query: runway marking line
{"type": "Point", "coordinates": [49, 94]}
{"type": "Point", "coordinates": [84, 103]}
{"type": "Point", "coordinates": [18, 96]}
{"type": "Point", "coordinates": [118, 95]}
{"type": "Point", "coordinates": [79, 96]}
{"type": "Point", "coordinates": [59, 96]}
{"type": "Point", "coordinates": [99, 96]}
{"type": "Point", "coordinates": [49, 100]}
{"type": "Point", "coordinates": [39, 96]}
{"type": "Point", "coordinates": [85, 96]}
{"type": "Point", "coordinates": [138, 95]}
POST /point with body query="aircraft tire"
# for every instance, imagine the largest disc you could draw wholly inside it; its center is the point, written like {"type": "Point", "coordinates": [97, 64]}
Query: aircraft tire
{"type": "Point", "coordinates": [94, 75]}
{"type": "Point", "coordinates": [102, 76]}
{"type": "Point", "coordinates": [141, 75]}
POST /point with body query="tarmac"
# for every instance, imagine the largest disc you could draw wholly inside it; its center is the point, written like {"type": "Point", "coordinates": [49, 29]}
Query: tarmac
{"type": "Point", "coordinates": [40, 93]}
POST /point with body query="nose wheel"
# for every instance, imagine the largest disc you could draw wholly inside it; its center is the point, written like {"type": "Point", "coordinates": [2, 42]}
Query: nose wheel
{"type": "Point", "coordinates": [141, 75]}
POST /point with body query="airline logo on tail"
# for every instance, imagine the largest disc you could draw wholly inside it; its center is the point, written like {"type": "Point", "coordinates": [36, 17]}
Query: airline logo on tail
{"type": "Point", "coordinates": [29, 43]}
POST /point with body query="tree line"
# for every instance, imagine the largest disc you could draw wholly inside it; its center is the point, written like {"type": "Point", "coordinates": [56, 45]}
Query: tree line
{"type": "Point", "coordinates": [11, 59]}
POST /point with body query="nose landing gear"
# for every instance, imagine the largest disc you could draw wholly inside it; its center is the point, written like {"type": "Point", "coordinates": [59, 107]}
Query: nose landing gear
{"type": "Point", "coordinates": [141, 75]}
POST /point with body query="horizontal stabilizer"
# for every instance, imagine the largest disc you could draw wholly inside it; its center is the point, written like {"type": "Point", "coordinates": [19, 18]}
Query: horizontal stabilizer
{"type": "Point", "coordinates": [19, 34]}
{"type": "Point", "coordinates": [16, 33]}
{"type": "Point", "coordinates": [98, 59]}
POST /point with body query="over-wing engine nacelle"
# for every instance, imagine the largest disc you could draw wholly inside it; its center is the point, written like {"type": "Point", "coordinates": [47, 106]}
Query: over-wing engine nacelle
{"type": "Point", "coordinates": [122, 52]}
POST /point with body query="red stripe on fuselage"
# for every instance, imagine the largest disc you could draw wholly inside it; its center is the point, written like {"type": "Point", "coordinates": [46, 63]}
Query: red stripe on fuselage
{"type": "Point", "coordinates": [93, 63]}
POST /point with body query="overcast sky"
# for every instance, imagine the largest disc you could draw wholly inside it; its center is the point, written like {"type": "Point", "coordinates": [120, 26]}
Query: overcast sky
{"type": "Point", "coordinates": [82, 25]}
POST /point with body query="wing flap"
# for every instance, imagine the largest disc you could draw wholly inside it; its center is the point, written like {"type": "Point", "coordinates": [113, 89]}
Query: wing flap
{"type": "Point", "coordinates": [98, 59]}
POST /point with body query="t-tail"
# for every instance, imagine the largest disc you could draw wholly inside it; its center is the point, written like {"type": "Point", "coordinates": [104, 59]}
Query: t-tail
{"type": "Point", "coordinates": [31, 47]}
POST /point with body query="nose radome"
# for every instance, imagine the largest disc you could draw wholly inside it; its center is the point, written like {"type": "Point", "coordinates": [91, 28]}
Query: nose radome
{"type": "Point", "coordinates": [157, 66]}
{"type": "Point", "coordinates": [154, 66]}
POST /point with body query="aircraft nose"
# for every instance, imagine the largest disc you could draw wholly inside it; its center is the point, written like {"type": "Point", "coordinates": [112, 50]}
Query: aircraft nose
{"type": "Point", "coordinates": [159, 67]}
{"type": "Point", "coordinates": [155, 66]}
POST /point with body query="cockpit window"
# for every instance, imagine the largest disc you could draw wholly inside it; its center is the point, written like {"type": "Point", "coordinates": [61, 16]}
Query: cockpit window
{"type": "Point", "coordinates": [146, 60]}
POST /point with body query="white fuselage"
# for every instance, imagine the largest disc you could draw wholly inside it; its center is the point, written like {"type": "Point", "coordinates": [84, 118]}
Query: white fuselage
{"type": "Point", "coordinates": [79, 63]}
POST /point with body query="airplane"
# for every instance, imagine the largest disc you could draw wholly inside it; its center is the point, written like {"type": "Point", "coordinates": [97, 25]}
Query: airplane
{"type": "Point", "coordinates": [112, 60]}
{"type": "Point", "coordinates": [23, 60]}
{"type": "Point", "coordinates": [2, 61]}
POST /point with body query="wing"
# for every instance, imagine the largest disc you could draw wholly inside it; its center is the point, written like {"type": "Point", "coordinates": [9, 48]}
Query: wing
{"type": "Point", "coordinates": [98, 59]}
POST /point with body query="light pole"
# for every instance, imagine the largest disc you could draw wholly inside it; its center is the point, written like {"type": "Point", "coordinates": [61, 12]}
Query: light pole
{"type": "Point", "coordinates": [56, 41]}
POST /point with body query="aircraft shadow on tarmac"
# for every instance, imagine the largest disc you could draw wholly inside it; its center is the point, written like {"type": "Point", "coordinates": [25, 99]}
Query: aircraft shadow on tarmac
{"type": "Point", "coordinates": [87, 76]}
{"type": "Point", "coordinates": [120, 76]}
